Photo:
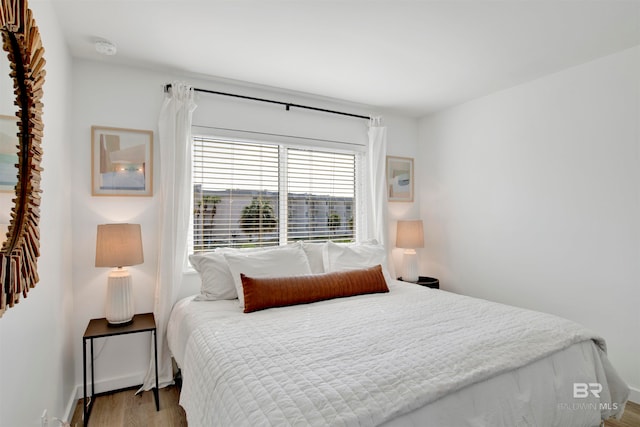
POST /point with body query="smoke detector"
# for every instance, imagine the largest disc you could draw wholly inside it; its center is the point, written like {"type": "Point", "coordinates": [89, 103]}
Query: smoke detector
{"type": "Point", "coordinates": [105, 47]}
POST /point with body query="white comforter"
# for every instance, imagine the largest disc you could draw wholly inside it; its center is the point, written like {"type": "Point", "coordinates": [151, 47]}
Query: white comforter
{"type": "Point", "coordinates": [357, 361]}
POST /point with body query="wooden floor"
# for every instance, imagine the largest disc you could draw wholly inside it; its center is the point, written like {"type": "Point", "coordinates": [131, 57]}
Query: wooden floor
{"type": "Point", "coordinates": [126, 409]}
{"type": "Point", "coordinates": [631, 417]}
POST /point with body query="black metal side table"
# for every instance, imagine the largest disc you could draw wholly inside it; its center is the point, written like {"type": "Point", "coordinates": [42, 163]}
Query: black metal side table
{"type": "Point", "coordinates": [100, 328]}
{"type": "Point", "coordinates": [430, 282]}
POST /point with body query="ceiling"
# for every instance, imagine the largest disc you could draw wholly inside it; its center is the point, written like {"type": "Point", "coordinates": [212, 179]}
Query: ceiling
{"type": "Point", "coordinates": [414, 57]}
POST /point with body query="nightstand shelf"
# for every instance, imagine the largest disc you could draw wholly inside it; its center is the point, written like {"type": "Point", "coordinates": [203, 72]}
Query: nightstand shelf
{"type": "Point", "coordinates": [100, 328]}
{"type": "Point", "coordinates": [429, 282]}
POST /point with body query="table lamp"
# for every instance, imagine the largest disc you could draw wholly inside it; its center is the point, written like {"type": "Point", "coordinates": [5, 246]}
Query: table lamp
{"type": "Point", "coordinates": [410, 236]}
{"type": "Point", "coordinates": [119, 246]}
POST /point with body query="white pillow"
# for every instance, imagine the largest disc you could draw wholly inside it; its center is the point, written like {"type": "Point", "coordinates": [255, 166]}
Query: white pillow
{"type": "Point", "coordinates": [226, 250]}
{"type": "Point", "coordinates": [283, 262]}
{"type": "Point", "coordinates": [353, 257]}
{"type": "Point", "coordinates": [217, 282]}
{"type": "Point", "coordinates": [215, 276]}
{"type": "Point", "coordinates": [314, 252]}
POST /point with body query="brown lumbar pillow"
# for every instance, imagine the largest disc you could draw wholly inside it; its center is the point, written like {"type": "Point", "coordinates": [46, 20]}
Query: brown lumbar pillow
{"type": "Point", "coordinates": [282, 291]}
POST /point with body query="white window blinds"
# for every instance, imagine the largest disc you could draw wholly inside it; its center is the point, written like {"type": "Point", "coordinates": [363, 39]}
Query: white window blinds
{"type": "Point", "coordinates": [320, 195]}
{"type": "Point", "coordinates": [250, 194]}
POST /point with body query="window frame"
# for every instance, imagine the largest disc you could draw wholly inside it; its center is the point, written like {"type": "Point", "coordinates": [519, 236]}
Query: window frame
{"type": "Point", "coordinates": [285, 142]}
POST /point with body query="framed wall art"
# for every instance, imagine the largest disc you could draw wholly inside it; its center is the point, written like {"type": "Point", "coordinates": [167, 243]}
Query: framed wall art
{"type": "Point", "coordinates": [399, 179]}
{"type": "Point", "coordinates": [121, 162]}
{"type": "Point", "coordinates": [8, 153]}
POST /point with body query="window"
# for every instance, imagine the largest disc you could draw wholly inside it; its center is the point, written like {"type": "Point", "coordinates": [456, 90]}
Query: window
{"type": "Point", "coordinates": [253, 194]}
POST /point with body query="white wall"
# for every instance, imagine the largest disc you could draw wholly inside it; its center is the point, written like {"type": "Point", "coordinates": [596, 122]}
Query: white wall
{"type": "Point", "coordinates": [531, 196]}
{"type": "Point", "coordinates": [35, 335]}
{"type": "Point", "coordinates": [111, 95]}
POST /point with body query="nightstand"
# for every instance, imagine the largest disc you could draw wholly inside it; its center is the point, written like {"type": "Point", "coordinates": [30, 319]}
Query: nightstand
{"type": "Point", "coordinates": [430, 282]}
{"type": "Point", "coordinates": [100, 328]}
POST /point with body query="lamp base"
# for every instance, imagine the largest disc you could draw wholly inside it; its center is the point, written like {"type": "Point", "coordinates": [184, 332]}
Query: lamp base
{"type": "Point", "coordinates": [410, 266]}
{"type": "Point", "coordinates": [119, 307]}
{"type": "Point", "coordinates": [119, 325]}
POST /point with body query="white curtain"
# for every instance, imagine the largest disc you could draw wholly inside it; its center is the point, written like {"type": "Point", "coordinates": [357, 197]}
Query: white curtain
{"type": "Point", "coordinates": [174, 130]}
{"type": "Point", "coordinates": [376, 169]}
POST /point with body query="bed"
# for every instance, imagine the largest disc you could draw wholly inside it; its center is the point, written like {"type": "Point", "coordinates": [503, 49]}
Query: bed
{"type": "Point", "coordinates": [407, 357]}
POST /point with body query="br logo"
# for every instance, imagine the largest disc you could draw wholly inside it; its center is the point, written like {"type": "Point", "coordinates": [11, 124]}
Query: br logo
{"type": "Point", "coordinates": [582, 390]}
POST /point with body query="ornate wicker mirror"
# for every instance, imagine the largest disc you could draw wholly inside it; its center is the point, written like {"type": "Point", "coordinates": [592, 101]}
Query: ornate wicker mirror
{"type": "Point", "coordinates": [21, 248]}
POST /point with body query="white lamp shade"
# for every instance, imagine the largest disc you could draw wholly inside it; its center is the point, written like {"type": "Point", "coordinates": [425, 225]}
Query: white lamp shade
{"type": "Point", "coordinates": [410, 234]}
{"type": "Point", "coordinates": [119, 245]}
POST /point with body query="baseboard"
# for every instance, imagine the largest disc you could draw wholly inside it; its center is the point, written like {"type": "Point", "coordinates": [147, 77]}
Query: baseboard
{"type": "Point", "coordinates": [119, 383]}
{"type": "Point", "coordinates": [100, 387]}
{"type": "Point", "coordinates": [71, 404]}
{"type": "Point", "coordinates": [635, 395]}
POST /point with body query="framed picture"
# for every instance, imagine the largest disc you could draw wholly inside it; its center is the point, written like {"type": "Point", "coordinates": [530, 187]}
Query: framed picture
{"type": "Point", "coordinates": [399, 179]}
{"type": "Point", "coordinates": [8, 153]}
{"type": "Point", "coordinates": [121, 162]}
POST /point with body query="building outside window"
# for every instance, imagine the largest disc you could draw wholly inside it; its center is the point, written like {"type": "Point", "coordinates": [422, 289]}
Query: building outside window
{"type": "Point", "coordinates": [254, 194]}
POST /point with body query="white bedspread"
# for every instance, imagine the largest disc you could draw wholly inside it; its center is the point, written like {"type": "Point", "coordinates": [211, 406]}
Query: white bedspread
{"type": "Point", "coordinates": [355, 361]}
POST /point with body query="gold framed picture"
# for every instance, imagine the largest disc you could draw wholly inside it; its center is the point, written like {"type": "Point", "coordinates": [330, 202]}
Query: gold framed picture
{"type": "Point", "coordinates": [121, 162]}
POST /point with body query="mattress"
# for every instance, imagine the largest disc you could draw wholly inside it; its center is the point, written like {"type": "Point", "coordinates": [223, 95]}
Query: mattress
{"type": "Point", "coordinates": [414, 356]}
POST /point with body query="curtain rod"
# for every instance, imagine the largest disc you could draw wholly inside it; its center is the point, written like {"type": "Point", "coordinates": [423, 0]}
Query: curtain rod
{"type": "Point", "coordinates": [287, 105]}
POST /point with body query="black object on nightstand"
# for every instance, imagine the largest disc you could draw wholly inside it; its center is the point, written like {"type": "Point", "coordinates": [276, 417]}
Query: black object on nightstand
{"type": "Point", "coordinates": [100, 328]}
{"type": "Point", "coordinates": [430, 282]}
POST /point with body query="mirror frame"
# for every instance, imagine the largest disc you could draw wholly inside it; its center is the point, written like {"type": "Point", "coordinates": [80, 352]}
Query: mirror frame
{"type": "Point", "coordinates": [21, 249]}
